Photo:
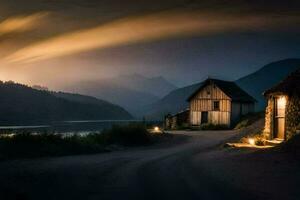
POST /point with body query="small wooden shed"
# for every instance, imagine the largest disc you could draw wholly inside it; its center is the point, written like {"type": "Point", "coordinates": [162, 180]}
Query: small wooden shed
{"type": "Point", "coordinates": [283, 109]}
{"type": "Point", "coordinates": [179, 120]}
{"type": "Point", "coordinates": [219, 102]}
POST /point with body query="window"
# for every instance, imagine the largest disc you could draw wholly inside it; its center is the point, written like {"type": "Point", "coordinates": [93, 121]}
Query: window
{"type": "Point", "coordinates": [216, 105]}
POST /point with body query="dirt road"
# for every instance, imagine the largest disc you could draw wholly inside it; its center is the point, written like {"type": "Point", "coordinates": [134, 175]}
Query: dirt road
{"type": "Point", "coordinates": [170, 171]}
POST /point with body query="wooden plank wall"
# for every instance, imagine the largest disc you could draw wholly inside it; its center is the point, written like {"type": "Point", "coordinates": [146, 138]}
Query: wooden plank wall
{"type": "Point", "coordinates": [247, 108]}
{"type": "Point", "coordinates": [240, 109]}
{"type": "Point", "coordinates": [215, 117]}
{"type": "Point", "coordinates": [195, 118]}
{"type": "Point", "coordinates": [235, 112]}
{"type": "Point", "coordinates": [214, 93]}
{"type": "Point", "coordinates": [207, 105]}
{"type": "Point", "coordinates": [203, 101]}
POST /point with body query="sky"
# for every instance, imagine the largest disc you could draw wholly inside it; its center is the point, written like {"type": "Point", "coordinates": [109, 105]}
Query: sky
{"type": "Point", "coordinates": [51, 42]}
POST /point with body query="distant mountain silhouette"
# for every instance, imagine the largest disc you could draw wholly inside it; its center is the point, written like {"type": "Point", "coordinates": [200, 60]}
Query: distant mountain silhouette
{"type": "Point", "coordinates": [269, 75]}
{"type": "Point", "coordinates": [20, 104]}
{"type": "Point", "coordinates": [157, 86]}
{"type": "Point", "coordinates": [129, 91]}
{"type": "Point", "coordinates": [173, 102]}
{"type": "Point", "coordinates": [254, 84]}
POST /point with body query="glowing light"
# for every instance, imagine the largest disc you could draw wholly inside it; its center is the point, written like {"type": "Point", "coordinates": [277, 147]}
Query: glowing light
{"type": "Point", "coordinates": [7, 135]}
{"type": "Point", "coordinates": [251, 141]}
{"type": "Point", "coordinates": [135, 29]}
{"type": "Point", "coordinates": [21, 23]}
{"type": "Point", "coordinates": [243, 145]}
{"type": "Point", "coordinates": [156, 129]}
{"type": "Point", "coordinates": [281, 103]}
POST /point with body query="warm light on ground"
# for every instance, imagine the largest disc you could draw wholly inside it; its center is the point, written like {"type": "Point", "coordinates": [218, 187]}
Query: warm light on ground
{"type": "Point", "coordinates": [251, 141]}
{"type": "Point", "coordinates": [155, 129]}
{"type": "Point", "coordinates": [255, 142]}
{"type": "Point", "coordinates": [245, 145]}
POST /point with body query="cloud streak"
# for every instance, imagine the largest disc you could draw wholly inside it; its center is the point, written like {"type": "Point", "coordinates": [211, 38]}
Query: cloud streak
{"type": "Point", "coordinates": [139, 29]}
{"type": "Point", "coordinates": [19, 24]}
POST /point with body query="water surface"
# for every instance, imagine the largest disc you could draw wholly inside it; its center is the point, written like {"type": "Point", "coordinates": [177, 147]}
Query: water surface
{"type": "Point", "coordinates": [81, 127]}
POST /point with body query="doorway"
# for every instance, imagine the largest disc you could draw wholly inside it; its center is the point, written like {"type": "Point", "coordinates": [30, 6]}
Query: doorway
{"type": "Point", "coordinates": [279, 121]}
{"type": "Point", "coordinates": [204, 117]}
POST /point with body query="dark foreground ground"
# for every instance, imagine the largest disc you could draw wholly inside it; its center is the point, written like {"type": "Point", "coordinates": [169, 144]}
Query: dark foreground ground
{"type": "Point", "coordinates": [193, 166]}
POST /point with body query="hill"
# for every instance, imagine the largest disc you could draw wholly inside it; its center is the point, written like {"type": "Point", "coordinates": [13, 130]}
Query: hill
{"type": "Point", "coordinates": [20, 104]}
{"type": "Point", "coordinates": [254, 84]}
{"type": "Point", "coordinates": [173, 102]}
{"type": "Point", "coordinates": [157, 86]}
{"type": "Point", "coordinates": [129, 91]}
{"type": "Point", "coordinates": [269, 75]}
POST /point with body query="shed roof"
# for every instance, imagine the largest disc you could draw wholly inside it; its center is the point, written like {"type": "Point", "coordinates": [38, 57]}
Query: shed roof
{"type": "Point", "coordinates": [231, 89]}
{"type": "Point", "coordinates": [182, 112]}
{"type": "Point", "coordinates": [290, 85]}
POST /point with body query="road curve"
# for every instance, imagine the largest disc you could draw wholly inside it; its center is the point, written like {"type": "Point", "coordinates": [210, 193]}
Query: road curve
{"type": "Point", "coordinates": [170, 171]}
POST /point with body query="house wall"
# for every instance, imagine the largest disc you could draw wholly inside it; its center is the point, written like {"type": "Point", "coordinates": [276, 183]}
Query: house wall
{"type": "Point", "coordinates": [248, 108]}
{"type": "Point", "coordinates": [174, 122]}
{"type": "Point", "coordinates": [269, 119]}
{"type": "Point", "coordinates": [168, 122]}
{"type": "Point", "coordinates": [203, 101]}
{"type": "Point", "coordinates": [239, 109]}
{"type": "Point", "coordinates": [292, 117]}
{"type": "Point", "coordinates": [235, 111]}
{"type": "Point", "coordinates": [183, 119]}
{"type": "Point", "coordinates": [171, 122]}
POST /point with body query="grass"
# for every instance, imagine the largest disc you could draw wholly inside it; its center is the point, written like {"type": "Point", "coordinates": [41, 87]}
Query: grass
{"type": "Point", "coordinates": [249, 119]}
{"type": "Point", "coordinates": [28, 145]}
{"type": "Point", "coordinates": [214, 127]}
{"type": "Point", "coordinates": [131, 135]}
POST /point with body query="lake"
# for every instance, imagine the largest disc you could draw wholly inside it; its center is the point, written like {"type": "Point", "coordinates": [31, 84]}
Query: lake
{"type": "Point", "coordinates": [73, 127]}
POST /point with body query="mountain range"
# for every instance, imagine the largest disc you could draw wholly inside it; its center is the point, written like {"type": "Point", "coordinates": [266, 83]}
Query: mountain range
{"type": "Point", "coordinates": [132, 92]}
{"type": "Point", "coordinates": [21, 104]}
{"type": "Point", "coordinates": [151, 98]}
{"type": "Point", "coordinates": [254, 84]}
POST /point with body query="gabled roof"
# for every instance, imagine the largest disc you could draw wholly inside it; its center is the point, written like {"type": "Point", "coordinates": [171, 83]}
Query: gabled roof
{"type": "Point", "coordinates": [182, 111]}
{"type": "Point", "coordinates": [290, 85]}
{"type": "Point", "coordinates": [231, 89]}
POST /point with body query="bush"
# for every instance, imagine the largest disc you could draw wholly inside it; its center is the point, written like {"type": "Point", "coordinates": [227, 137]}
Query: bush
{"type": "Point", "coordinates": [214, 127]}
{"type": "Point", "coordinates": [183, 126]}
{"type": "Point", "coordinates": [36, 145]}
{"type": "Point", "coordinates": [259, 141]}
{"type": "Point", "coordinates": [131, 135]}
{"type": "Point", "coordinates": [258, 138]}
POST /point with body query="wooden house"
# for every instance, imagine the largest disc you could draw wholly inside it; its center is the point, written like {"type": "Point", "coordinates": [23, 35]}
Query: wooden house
{"type": "Point", "coordinates": [283, 109]}
{"type": "Point", "coordinates": [219, 102]}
